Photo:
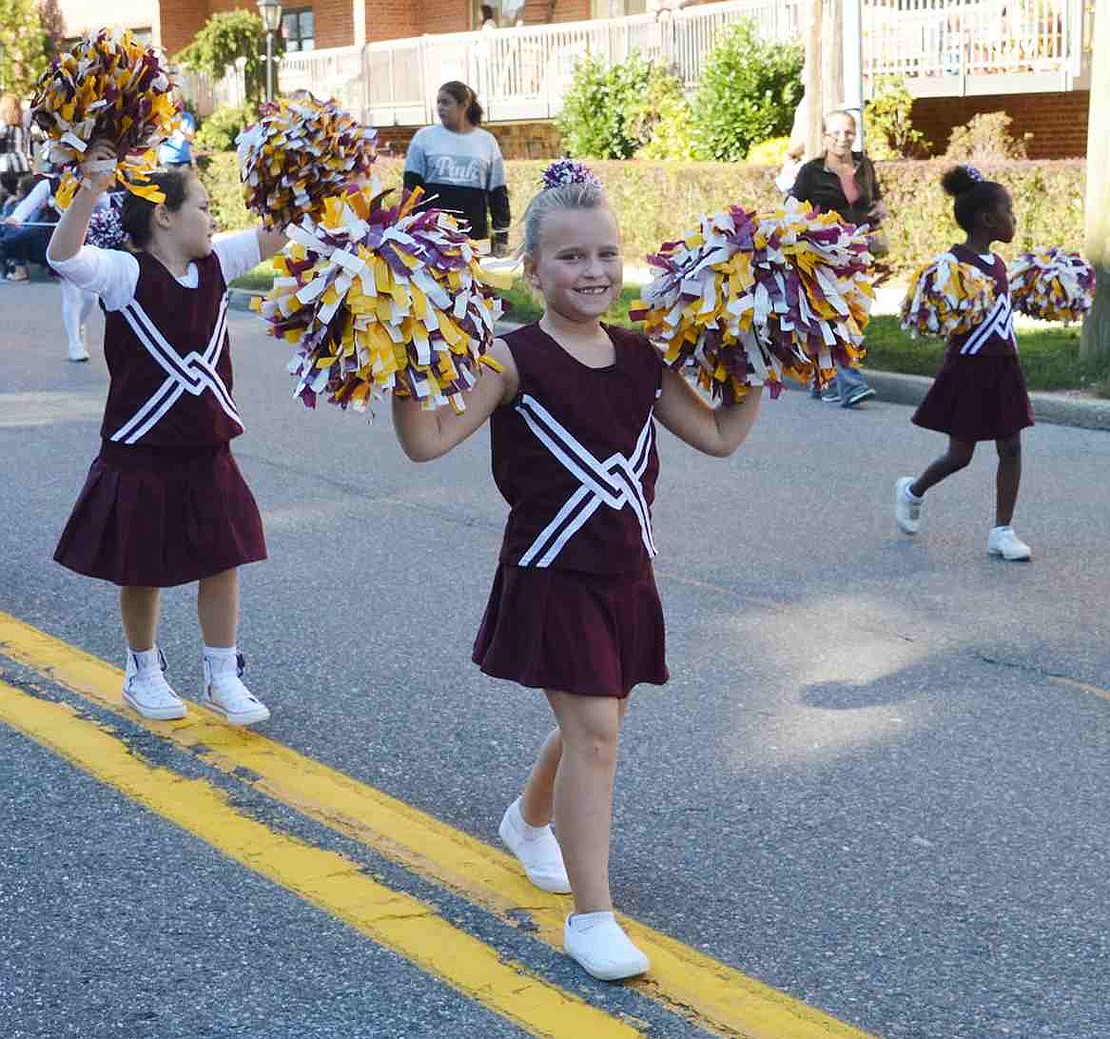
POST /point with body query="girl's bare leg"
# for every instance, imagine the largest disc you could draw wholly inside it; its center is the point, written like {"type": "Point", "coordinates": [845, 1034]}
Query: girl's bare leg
{"type": "Point", "coordinates": [583, 792]}
{"type": "Point", "coordinates": [1007, 480]}
{"type": "Point", "coordinates": [957, 457]}
{"type": "Point", "coordinates": [139, 608]}
{"type": "Point", "coordinates": [218, 608]}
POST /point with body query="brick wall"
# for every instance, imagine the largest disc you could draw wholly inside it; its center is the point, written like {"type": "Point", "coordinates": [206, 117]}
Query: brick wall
{"type": "Point", "coordinates": [1058, 121]}
{"type": "Point", "coordinates": [524, 140]}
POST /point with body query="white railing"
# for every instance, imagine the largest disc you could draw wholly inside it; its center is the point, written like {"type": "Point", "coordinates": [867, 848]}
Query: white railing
{"type": "Point", "coordinates": [940, 47]}
{"type": "Point", "coordinates": [521, 73]}
{"type": "Point", "coordinates": [945, 47]}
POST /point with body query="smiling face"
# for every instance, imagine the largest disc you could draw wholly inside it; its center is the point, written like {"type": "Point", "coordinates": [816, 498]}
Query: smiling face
{"type": "Point", "coordinates": [577, 265]}
{"type": "Point", "coordinates": [190, 227]}
{"type": "Point", "coordinates": [840, 135]}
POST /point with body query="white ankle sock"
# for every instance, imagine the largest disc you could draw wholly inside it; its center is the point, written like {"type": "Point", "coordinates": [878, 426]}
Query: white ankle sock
{"type": "Point", "coordinates": [146, 659]}
{"type": "Point", "coordinates": [917, 499]}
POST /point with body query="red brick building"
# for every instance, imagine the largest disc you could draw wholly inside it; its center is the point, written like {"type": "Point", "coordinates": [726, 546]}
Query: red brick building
{"type": "Point", "coordinates": [315, 24]}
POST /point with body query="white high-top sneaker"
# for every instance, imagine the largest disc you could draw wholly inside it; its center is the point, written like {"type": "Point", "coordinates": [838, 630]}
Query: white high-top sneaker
{"type": "Point", "coordinates": [146, 690]}
{"type": "Point", "coordinates": [225, 692]}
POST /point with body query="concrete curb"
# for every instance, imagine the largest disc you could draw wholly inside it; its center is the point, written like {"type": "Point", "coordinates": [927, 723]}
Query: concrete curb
{"type": "Point", "coordinates": [1059, 409]}
{"type": "Point", "coordinates": [1056, 408]}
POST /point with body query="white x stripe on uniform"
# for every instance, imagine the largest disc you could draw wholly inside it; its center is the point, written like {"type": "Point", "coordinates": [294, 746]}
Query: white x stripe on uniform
{"type": "Point", "coordinates": [1000, 320]}
{"type": "Point", "coordinates": [616, 482]}
{"type": "Point", "coordinates": [194, 373]}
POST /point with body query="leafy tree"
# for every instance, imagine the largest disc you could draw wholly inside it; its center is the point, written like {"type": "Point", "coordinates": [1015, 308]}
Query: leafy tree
{"type": "Point", "coordinates": [24, 46]}
{"type": "Point", "coordinates": [597, 120]}
{"type": "Point", "coordinates": [223, 39]}
{"type": "Point", "coordinates": [886, 118]}
{"type": "Point", "coordinates": [748, 92]}
{"type": "Point", "coordinates": [218, 132]}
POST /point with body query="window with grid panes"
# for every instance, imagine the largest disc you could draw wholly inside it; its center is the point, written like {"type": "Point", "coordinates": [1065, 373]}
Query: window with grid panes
{"type": "Point", "coordinates": [299, 29]}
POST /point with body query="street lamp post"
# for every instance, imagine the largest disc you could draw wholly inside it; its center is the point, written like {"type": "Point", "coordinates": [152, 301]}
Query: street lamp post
{"type": "Point", "coordinates": [270, 12]}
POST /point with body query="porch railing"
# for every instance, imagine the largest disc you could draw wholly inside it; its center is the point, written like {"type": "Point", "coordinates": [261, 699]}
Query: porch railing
{"type": "Point", "coordinates": [520, 73]}
{"type": "Point", "coordinates": [940, 47]}
{"type": "Point", "coordinates": [946, 47]}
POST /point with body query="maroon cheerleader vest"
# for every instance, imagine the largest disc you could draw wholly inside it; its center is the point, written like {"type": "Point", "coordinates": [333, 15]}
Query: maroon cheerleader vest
{"type": "Point", "coordinates": [169, 362]}
{"type": "Point", "coordinates": [574, 455]}
{"type": "Point", "coordinates": [995, 334]}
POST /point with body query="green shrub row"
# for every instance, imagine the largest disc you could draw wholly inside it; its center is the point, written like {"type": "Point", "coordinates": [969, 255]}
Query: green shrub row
{"type": "Point", "coordinates": [659, 201]}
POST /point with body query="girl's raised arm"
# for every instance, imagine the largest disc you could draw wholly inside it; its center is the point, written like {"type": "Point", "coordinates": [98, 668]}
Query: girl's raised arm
{"type": "Point", "coordinates": [716, 431]}
{"type": "Point", "coordinates": [426, 435]}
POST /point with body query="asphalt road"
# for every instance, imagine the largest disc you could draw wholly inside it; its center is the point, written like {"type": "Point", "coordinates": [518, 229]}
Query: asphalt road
{"type": "Point", "coordinates": [877, 780]}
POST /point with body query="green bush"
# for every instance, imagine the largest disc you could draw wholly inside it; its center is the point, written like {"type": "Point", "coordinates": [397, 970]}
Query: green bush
{"type": "Point", "coordinates": [612, 112]}
{"type": "Point", "coordinates": [218, 131]}
{"type": "Point", "coordinates": [661, 120]}
{"type": "Point", "coordinates": [747, 93]}
{"type": "Point", "coordinates": [985, 137]}
{"type": "Point", "coordinates": [658, 201]}
{"type": "Point", "coordinates": [886, 119]}
{"type": "Point", "coordinates": [768, 153]}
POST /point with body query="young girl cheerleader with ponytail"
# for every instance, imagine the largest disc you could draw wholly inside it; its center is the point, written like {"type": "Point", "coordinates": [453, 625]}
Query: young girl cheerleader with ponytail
{"type": "Point", "coordinates": [164, 503]}
{"type": "Point", "coordinates": [574, 609]}
{"type": "Point", "coordinates": [979, 392]}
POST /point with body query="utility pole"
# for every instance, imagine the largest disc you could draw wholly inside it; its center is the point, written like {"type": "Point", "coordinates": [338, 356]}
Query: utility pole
{"type": "Point", "coordinates": [1096, 328]}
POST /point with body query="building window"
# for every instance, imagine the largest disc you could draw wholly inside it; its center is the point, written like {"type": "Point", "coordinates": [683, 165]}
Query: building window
{"type": "Point", "coordinates": [616, 8]}
{"type": "Point", "coordinates": [299, 29]}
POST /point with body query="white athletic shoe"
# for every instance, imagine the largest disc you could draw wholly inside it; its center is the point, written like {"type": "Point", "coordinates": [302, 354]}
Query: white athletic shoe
{"type": "Point", "coordinates": [598, 944]}
{"type": "Point", "coordinates": [77, 351]}
{"type": "Point", "coordinates": [539, 854]}
{"type": "Point", "coordinates": [1005, 543]}
{"type": "Point", "coordinates": [149, 693]}
{"type": "Point", "coordinates": [225, 692]}
{"type": "Point", "coordinates": [907, 511]}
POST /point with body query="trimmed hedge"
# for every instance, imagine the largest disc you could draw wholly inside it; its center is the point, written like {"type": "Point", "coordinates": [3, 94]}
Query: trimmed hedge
{"type": "Point", "coordinates": [659, 201]}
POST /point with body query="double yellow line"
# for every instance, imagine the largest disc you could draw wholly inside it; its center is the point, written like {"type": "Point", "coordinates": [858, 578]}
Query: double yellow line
{"type": "Point", "coordinates": [703, 991]}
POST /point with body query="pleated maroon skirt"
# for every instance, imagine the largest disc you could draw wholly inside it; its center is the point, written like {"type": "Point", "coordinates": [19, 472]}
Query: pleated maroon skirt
{"type": "Point", "coordinates": [573, 632]}
{"type": "Point", "coordinates": [162, 516]}
{"type": "Point", "coordinates": [977, 398]}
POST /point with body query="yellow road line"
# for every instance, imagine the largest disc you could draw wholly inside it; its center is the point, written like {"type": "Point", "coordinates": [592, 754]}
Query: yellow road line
{"type": "Point", "coordinates": [712, 995]}
{"type": "Point", "coordinates": [328, 880]}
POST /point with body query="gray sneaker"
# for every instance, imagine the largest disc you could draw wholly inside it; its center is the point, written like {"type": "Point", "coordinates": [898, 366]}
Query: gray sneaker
{"type": "Point", "coordinates": [857, 396]}
{"type": "Point", "coordinates": [907, 509]}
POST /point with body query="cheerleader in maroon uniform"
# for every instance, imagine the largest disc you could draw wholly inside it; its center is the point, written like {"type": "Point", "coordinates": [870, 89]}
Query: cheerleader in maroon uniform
{"type": "Point", "coordinates": [574, 609]}
{"type": "Point", "coordinates": [164, 502]}
{"type": "Point", "coordinates": [979, 392]}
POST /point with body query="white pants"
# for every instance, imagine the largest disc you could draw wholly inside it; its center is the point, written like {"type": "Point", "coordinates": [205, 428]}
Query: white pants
{"type": "Point", "coordinates": [77, 305]}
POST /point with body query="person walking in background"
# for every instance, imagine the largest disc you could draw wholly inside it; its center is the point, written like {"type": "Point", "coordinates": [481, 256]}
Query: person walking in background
{"type": "Point", "coordinates": [979, 392]}
{"type": "Point", "coordinates": [459, 166]}
{"type": "Point", "coordinates": [15, 144]}
{"type": "Point", "coordinates": [842, 181]}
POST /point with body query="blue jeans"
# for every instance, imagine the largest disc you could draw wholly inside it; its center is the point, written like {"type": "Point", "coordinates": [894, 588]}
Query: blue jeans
{"type": "Point", "coordinates": [846, 380]}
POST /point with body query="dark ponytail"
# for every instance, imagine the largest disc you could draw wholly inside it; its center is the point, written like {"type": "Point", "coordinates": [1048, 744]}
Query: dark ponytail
{"type": "Point", "coordinates": [137, 213]}
{"type": "Point", "coordinates": [972, 194]}
{"type": "Point", "coordinates": [463, 95]}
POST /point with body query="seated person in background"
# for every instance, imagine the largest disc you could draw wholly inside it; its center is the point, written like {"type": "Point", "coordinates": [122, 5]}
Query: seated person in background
{"type": "Point", "coordinates": [25, 231]}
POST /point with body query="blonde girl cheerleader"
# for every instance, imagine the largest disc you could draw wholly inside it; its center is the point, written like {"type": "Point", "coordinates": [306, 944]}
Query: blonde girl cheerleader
{"type": "Point", "coordinates": [574, 610]}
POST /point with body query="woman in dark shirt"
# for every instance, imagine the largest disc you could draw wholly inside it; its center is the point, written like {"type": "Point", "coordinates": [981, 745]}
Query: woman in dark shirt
{"type": "Point", "coordinates": [843, 181]}
{"type": "Point", "coordinates": [15, 147]}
